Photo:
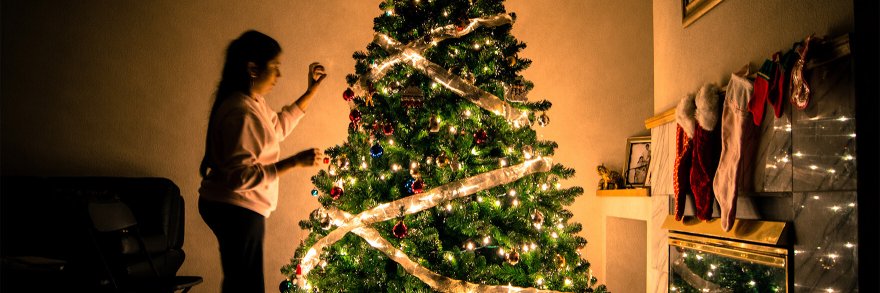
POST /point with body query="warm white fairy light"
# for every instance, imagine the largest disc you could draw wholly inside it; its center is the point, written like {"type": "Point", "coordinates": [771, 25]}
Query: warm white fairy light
{"type": "Point", "coordinates": [843, 118]}
{"type": "Point", "coordinates": [476, 46]}
{"type": "Point", "coordinates": [497, 203]}
{"type": "Point", "coordinates": [445, 13]}
{"type": "Point", "coordinates": [363, 165]}
{"type": "Point", "coordinates": [848, 157]}
{"type": "Point", "coordinates": [558, 185]}
{"type": "Point", "coordinates": [814, 167]}
{"type": "Point", "coordinates": [389, 12]}
{"type": "Point", "coordinates": [567, 282]}
{"type": "Point", "coordinates": [852, 204]}
{"type": "Point", "coordinates": [486, 240]}
{"type": "Point", "coordinates": [852, 135]}
{"type": "Point", "coordinates": [815, 197]}
{"type": "Point", "coordinates": [467, 112]}
{"type": "Point", "coordinates": [798, 154]}
{"type": "Point", "coordinates": [395, 167]}
{"type": "Point", "coordinates": [752, 283]}
{"type": "Point", "coordinates": [511, 192]}
{"type": "Point", "coordinates": [534, 246]}
{"type": "Point", "coordinates": [501, 251]}
{"type": "Point", "coordinates": [332, 172]}
{"type": "Point", "coordinates": [560, 226]}
{"type": "Point", "coordinates": [849, 245]}
{"type": "Point", "coordinates": [554, 235]}
{"type": "Point", "coordinates": [502, 162]}
{"type": "Point", "coordinates": [539, 281]}
{"type": "Point", "coordinates": [479, 199]}
{"type": "Point", "coordinates": [544, 187]}
{"type": "Point", "coordinates": [452, 129]}
{"type": "Point", "coordinates": [515, 202]}
{"type": "Point", "coordinates": [475, 152]}
{"type": "Point", "coordinates": [832, 171]}
{"type": "Point", "coordinates": [390, 141]}
{"type": "Point", "coordinates": [709, 274]}
{"type": "Point", "coordinates": [448, 207]}
{"type": "Point", "coordinates": [699, 257]}
{"type": "Point", "coordinates": [713, 266]}
{"type": "Point", "coordinates": [685, 255]}
{"type": "Point", "coordinates": [469, 245]}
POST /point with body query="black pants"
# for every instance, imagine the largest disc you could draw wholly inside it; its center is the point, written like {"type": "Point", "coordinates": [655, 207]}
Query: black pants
{"type": "Point", "coordinates": [240, 234]}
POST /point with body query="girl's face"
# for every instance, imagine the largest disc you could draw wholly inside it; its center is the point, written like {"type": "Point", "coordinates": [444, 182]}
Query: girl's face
{"type": "Point", "coordinates": [266, 79]}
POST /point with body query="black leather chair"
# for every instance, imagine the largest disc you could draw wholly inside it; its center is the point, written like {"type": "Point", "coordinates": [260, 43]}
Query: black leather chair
{"type": "Point", "coordinates": [50, 242]}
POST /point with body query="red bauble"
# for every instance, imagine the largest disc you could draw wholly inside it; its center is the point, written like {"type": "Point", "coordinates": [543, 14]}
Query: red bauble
{"type": "Point", "coordinates": [399, 229]}
{"type": "Point", "coordinates": [388, 129]}
{"type": "Point", "coordinates": [327, 160]}
{"type": "Point", "coordinates": [299, 270]}
{"type": "Point", "coordinates": [418, 186]}
{"type": "Point", "coordinates": [348, 94]}
{"type": "Point", "coordinates": [336, 192]}
{"type": "Point", "coordinates": [354, 116]}
{"type": "Point", "coordinates": [481, 136]}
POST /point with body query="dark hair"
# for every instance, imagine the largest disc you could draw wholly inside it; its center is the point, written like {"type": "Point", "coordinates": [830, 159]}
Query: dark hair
{"type": "Point", "coordinates": [251, 46]}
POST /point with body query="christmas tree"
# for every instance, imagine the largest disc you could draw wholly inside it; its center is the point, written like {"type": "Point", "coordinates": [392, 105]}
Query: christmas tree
{"type": "Point", "coordinates": [442, 184]}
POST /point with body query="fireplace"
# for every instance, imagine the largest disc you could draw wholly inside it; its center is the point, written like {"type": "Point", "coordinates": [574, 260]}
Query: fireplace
{"type": "Point", "coordinates": [749, 258]}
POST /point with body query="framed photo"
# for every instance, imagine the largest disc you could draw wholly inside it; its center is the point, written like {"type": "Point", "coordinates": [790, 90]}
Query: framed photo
{"type": "Point", "coordinates": [691, 10]}
{"type": "Point", "coordinates": [638, 157]}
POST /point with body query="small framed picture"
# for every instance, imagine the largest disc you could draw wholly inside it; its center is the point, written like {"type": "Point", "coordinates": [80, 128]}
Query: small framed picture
{"type": "Point", "coordinates": [638, 157]}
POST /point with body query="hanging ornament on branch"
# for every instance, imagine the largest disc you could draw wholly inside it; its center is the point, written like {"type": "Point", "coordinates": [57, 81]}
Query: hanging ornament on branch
{"type": "Point", "coordinates": [543, 120]}
{"type": "Point", "coordinates": [412, 97]}
{"type": "Point", "coordinates": [481, 136]}
{"type": "Point", "coordinates": [513, 257]}
{"type": "Point", "coordinates": [376, 150]}
{"type": "Point", "coordinates": [434, 123]}
{"type": "Point", "coordinates": [516, 92]}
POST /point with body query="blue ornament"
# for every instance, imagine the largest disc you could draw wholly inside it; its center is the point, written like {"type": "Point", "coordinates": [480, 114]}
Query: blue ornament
{"type": "Point", "coordinates": [314, 192]}
{"type": "Point", "coordinates": [376, 151]}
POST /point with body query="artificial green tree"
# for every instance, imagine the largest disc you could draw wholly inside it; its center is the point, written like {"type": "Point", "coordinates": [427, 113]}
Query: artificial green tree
{"type": "Point", "coordinates": [442, 184]}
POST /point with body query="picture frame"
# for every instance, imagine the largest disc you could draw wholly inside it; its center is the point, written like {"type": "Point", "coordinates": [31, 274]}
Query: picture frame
{"type": "Point", "coordinates": [691, 10]}
{"type": "Point", "coordinates": [638, 158]}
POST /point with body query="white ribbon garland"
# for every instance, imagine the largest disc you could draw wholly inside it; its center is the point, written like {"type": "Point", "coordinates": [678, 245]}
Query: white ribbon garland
{"type": "Point", "coordinates": [413, 52]}
{"type": "Point", "coordinates": [345, 223]}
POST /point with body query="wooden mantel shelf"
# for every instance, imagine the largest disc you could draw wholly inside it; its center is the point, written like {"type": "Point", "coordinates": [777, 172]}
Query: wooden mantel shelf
{"type": "Point", "coordinates": [624, 192]}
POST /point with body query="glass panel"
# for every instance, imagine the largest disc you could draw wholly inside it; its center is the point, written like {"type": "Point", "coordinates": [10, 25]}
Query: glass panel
{"type": "Point", "coordinates": [698, 271]}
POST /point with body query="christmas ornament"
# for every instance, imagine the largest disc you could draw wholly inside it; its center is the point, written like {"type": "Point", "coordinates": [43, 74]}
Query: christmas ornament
{"type": "Point", "coordinates": [543, 120]}
{"type": "Point", "coordinates": [286, 286]}
{"type": "Point", "coordinates": [481, 136]}
{"type": "Point", "coordinates": [376, 150]}
{"type": "Point", "coordinates": [415, 186]}
{"type": "Point", "coordinates": [348, 94]}
{"type": "Point", "coordinates": [516, 92]}
{"type": "Point", "coordinates": [400, 230]}
{"type": "Point", "coordinates": [513, 257]}
{"type": "Point", "coordinates": [434, 123]}
{"type": "Point", "coordinates": [368, 99]}
{"type": "Point", "coordinates": [388, 129]}
{"type": "Point", "coordinates": [511, 60]}
{"type": "Point", "coordinates": [327, 160]}
{"type": "Point", "coordinates": [354, 126]}
{"type": "Point", "coordinates": [336, 192]}
{"type": "Point", "coordinates": [537, 219]}
{"type": "Point", "coordinates": [461, 24]}
{"type": "Point", "coordinates": [299, 270]}
{"type": "Point", "coordinates": [354, 116]}
{"type": "Point", "coordinates": [314, 192]}
{"type": "Point", "coordinates": [560, 261]}
{"type": "Point", "coordinates": [412, 97]}
{"type": "Point", "coordinates": [442, 160]}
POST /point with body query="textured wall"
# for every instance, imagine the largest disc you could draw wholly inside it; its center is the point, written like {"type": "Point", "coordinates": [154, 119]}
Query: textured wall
{"type": "Point", "coordinates": [123, 88]}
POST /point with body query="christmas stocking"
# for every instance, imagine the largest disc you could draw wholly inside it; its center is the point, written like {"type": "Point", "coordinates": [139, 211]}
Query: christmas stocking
{"type": "Point", "coordinates": [737, 134]}
{"type": "Point", "coordinates": [706, 149]}
{"type": "Point", "coordinates": [684, 130]}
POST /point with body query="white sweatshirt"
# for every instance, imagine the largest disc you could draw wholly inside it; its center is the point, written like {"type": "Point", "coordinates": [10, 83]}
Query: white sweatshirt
{"type": "Point", "coordinates": [245, 145]}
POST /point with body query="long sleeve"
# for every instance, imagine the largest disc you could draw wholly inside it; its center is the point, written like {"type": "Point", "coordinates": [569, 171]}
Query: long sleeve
{"type": "Point", "coordinates": [244, 139]}
{"type": "Point", "coordinates": [287, 119]}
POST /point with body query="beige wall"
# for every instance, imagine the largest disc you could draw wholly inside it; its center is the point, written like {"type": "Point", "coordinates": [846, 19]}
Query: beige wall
{"type": "Point", "coordinates": [123, 88]}
{"type": "Point", "coordinates": [734, 33]}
